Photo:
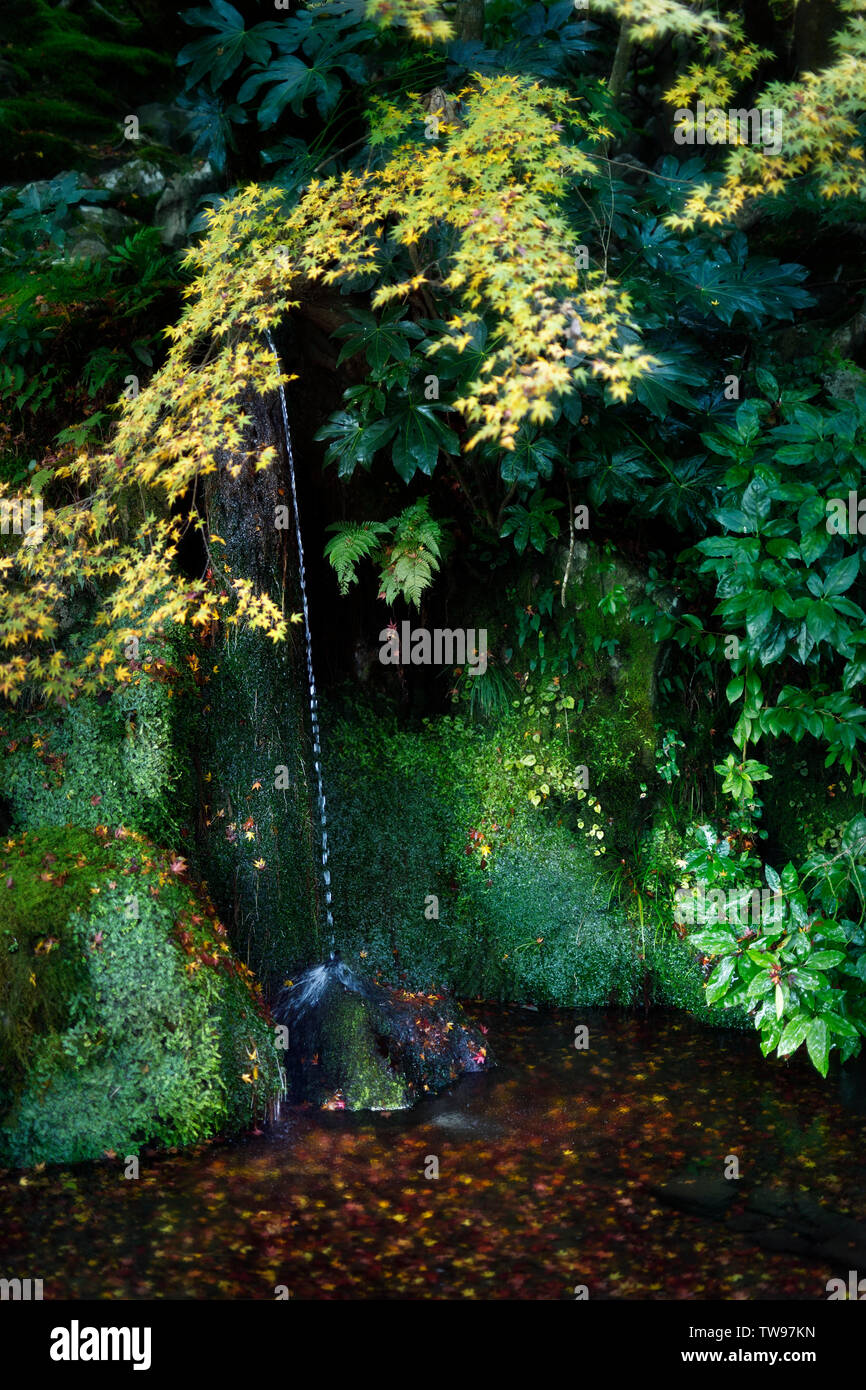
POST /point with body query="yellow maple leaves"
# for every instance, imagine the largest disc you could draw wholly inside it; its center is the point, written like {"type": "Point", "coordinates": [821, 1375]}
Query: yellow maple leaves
{"type": "Point", "coordinates": [424, 21]}
{"type": "Point", "coordinates": [817, 117]}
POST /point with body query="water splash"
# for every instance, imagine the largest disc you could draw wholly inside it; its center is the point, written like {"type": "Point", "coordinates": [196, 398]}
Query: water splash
{"type": "Point", "coordinates": [311, 679]}
{"type": "Point", "coordinates": [307, 992]}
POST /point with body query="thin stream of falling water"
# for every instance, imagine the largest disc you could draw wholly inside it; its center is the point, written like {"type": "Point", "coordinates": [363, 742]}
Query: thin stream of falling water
{"type": "Point", "coordinates": [311, 680]}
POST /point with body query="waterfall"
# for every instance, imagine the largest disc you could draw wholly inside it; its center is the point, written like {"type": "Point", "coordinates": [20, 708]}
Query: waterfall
{"type": "Point", "coordinates": [311, 679]}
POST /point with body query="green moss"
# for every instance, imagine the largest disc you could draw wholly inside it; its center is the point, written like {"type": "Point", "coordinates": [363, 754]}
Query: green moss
{"type": "Point", "coordinates": [125, 1018]}
{"type": "Point", "coordinates": [122, 760]}
{"type": "Point", "coordinates": [353, 1062]}
{"type": "Point", "coordinates": [676, 982]}
{"type": "Point", "coordinates": [50, 50]}
{"type": "Point", "coordinates": [536, 920]}
{"type": "Point", "coordinates": [256, 843]}
{"type": "Point", "coordinates": [415, 894]}
{"type": "Point", "coordinates": [539, 926]}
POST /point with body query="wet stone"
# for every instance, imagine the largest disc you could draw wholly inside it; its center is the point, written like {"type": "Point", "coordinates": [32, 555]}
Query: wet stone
{"type": "Point", "coordinates": [357, 1045]}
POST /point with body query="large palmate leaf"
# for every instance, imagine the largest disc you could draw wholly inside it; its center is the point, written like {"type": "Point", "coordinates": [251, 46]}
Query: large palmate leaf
{"type": "Point", "coordinates": [382, 338]}
{"type": "Point", "coordinates": [759, 289]}
{"type": "Point", "coordinates": [532, 459]}
{"type": "Point", "coordinates": [293, 82]}
{"type": "Point", "coordinates": [532, 524]}
{"type": "Point", "coordinates": [419, 434]}
{"type": "Point", "coordinates": [217, 56]}
{"type": "Point", "coordinates": [352, 442]}
{"type": "Point", "coordinates": [668, 381]}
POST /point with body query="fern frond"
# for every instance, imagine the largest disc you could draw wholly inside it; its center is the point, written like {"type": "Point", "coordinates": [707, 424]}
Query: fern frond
{"type": "Point", "coordinates": [408, 574]}
{"type": "Point", "coordinates": [352, 542]}
{"type": "Point", "coordinates": [413, 554]}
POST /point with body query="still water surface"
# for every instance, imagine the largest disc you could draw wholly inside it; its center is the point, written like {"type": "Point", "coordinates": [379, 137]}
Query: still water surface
{"type": "Point", "coordinates": [551, 1176]}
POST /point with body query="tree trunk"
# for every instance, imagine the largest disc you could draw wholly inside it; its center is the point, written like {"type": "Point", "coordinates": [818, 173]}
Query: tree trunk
{"type": "Point", "coordinates": [470, 19]}
{"type": "Point", "coordinates": [258, 845]}
{"type": "Point", "coordinates": [815, 23]}
{"type": "Point", "coordinates": [621, 63]}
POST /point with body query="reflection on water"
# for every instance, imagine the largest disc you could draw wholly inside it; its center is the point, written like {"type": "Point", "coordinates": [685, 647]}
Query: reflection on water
{"type": "Point", "coordinates": [561, 1168]}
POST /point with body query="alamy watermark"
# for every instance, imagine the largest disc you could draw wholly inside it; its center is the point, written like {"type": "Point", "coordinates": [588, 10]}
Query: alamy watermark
{"type": "Point", "coordinates": [22, 516]}
{"type": "Point", "coordinates": [755, 126]}
{"type": "Point", "coordinates": [77, 1343]}
{"type": "Point", "coordinates": [735, 906]}
{"type": "Point", "coordinates": [854, 1291]}
{"type": "Point", "coordinates": [444, 646]}
{"type": "Point", "coordinates": [846, 518]}
{"type": "Point", "coordinates": [20, 1290]}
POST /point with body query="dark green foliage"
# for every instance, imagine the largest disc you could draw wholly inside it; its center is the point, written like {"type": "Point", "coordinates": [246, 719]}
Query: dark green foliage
{"type": "Point", "coordinates": [73, 332]}
{"type": "Point", "coordinates": [395, 406]}
{"type": "Point", "coordinates": [286, 70]}
{"type": "Point", "coordinates": [797, 965]}
{"type": "Point", "coordinates": [532, 524]}
{"type": "Point", "coordinates": [787, 573]}
{"type": "Point", "coordinates": [810, 806]}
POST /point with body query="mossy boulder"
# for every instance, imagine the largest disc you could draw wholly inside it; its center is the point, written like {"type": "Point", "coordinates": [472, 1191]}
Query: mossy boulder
{"type": "Point", "coordinates": [448, 875]}
{"type": "Point", "coordinates": [125, 1018]}
{"type": "Point", "coordinates": [356, 1045]}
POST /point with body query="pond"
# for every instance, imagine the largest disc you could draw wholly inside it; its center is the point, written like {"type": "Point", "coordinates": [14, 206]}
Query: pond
{"type": "Point", "coordinates": [560, 1169]}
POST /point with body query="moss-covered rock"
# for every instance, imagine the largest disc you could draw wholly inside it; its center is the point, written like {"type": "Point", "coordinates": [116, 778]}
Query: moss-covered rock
{"type": "Point", "coordinates": [675, 981]}
{"type": "Point", "coordinates": [125, 1018]}
{"type": "Point", "coordinates": [448, 875]}
{"type": "Point", "coordinates": [355, 1045]}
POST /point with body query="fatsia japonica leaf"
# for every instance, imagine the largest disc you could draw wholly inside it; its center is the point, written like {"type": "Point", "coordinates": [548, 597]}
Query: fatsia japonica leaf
{"type": "Point", "coordinates": [668, 381]}
{"type": "Point", "coordinates": [382, 338]}
{"type": "Point", "coordinates": [532, 459]}
{"type": "Point", "coordinates": [351, 442]}
{"type": "Point", "coordinates": [217, 56]}
{"type": "Point", "coordinates": [418, 435]}
{"type": "Point", "coordinates": [532, 524]}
